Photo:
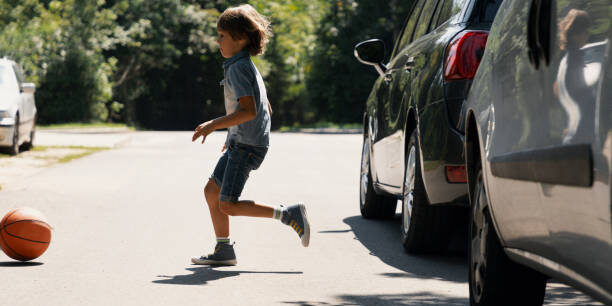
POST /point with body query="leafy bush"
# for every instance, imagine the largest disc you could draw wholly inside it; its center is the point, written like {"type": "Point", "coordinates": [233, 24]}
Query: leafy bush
{"type": "Point", "coordinates": [73, 89]}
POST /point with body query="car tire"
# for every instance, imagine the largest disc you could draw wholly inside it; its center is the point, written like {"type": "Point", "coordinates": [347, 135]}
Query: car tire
{"type": "Point", "coordinates": [14, 148]}
{"type": "Point", "coordinates": [30, 143]}
{"type": "Point", "coordinates": [424, 228]}
{"type": "Point", "coordinates": [372, 205]}
{"type": "Point", "coordinates": [493, 278]}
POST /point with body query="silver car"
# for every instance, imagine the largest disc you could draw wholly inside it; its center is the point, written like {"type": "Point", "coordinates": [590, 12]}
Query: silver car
{"type": "Point", "coordinates": [538, 153]}
{"type": "Point", "coordinates": [17, 108]}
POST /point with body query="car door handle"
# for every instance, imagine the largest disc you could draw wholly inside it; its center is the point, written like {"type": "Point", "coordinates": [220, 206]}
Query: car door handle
{"type": "Point", "coordinates": [409, 64]}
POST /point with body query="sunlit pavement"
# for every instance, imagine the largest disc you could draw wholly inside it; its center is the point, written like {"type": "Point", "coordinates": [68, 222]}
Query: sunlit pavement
{"type": "Point", "coordinates": [127, 220]}
{"type": "Point", "coordinates": [93, 137]}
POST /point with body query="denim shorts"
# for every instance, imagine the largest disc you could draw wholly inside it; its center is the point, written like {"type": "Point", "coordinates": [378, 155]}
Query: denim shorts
{"type": "Point", "coordinates": [233, 169]}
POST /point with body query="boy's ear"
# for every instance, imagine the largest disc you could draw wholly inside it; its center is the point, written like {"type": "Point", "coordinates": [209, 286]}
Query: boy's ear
{"type": "Point", "coordinates": [243, 42]}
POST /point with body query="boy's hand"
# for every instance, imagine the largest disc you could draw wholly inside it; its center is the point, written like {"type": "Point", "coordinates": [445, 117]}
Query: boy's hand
{"type": "Point", "coordinates": [203, 130]}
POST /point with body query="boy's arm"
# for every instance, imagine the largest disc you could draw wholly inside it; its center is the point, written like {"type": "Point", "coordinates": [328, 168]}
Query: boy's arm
{"type": "Point", "coordinates": [245, 113]}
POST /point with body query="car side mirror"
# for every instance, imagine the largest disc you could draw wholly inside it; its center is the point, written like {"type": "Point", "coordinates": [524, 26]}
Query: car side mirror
{"type": "Point", "coordinates": [372, 52]}
{"type": "Point", "coordinates": [28, 88]}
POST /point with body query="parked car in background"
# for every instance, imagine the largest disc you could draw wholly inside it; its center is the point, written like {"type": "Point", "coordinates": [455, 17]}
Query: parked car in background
{"type": "Point", "coordinates": [413, 143]}
{"type": "Point", "coordinates": [17, 108]}
{"type": "Point", "coordinates": [539, 153]}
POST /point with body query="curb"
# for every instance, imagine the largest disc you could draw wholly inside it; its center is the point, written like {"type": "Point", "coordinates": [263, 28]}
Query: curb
{"type": "Point", "coordinates": [87, 131]}
{"type": "Point", "coordinates": [107, 138]}
{"type": "Point", "coordinates": [323, 131]}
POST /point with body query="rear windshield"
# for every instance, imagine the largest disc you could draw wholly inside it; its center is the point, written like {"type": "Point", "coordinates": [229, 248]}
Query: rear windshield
{"type": "Point", "coordinates": [486, 10]}
{"type": "Point", "coordinates": [450, 8]}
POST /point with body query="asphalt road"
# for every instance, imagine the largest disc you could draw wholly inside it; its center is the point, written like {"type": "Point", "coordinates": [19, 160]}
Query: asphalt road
{"type": "Point", "coordinates": [127, 220]}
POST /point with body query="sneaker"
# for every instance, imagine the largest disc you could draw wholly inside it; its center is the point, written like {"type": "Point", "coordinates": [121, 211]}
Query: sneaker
{"type": "Point", "coordinates": [223, 255]}
{"type": "Point", "coordinates": [295, 216]}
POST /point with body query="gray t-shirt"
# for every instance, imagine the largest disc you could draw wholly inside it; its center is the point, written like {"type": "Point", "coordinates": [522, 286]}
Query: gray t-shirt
{"type": "Point", "coordinates": [243, 79]}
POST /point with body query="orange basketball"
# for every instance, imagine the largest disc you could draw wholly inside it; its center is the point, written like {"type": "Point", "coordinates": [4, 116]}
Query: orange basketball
{"type": "Point", "coordinates": [24, 234]}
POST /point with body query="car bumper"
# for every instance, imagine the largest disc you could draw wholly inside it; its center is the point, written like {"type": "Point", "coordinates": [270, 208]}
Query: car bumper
{"type": "Point", "coordinates": [6, 135]}
{"type": "Point", "coordinates": [440, 190]}
{"type": "Point", "coordinates": [441, 146]}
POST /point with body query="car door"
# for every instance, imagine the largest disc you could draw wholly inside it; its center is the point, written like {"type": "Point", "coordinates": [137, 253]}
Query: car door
{"type": "Point", "coordinates": [550, 147]}
{"type": "Point", "coordinates": [516, 125]}
{"type": "Point", "coordinates": [25, 99]}
{"type": "Point", "coordinates": [408, 69]}
{"type": "Point", "coordinates": [388, 149]}
{"type": "Point", "coordinates": [577, 206]}
{"type": "Point", "coordinates": [22, 97]}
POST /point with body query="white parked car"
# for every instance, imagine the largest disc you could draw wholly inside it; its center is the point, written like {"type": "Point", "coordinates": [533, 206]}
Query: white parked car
{"type": "Point", "coordinates": [17, 108]}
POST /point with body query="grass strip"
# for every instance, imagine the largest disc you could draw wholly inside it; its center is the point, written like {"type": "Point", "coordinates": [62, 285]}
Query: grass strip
{"type": "Point", "coordinates": [64, 159]}
{"type": "Point", "coordinates": [71, 157]}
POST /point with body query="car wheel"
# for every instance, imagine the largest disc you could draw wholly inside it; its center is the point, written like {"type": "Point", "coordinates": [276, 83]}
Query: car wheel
{"type": "Point", "coordinates": [371, 204]}
{"type": "Point", "coordinates": [424, 228]}
{"type": "Point", "coordinates": [30, 143]}
{"type": "Point", "coordinates": [493, 278]}
{"type": "Point", "coordinates": [14, 149]}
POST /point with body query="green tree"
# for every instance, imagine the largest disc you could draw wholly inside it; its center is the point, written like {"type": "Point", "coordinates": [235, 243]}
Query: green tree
{"type": "Point", "coordinates": [168, 71]}
{"type": "Point", "coordinates": [288, 57]}
{"type": "Point", "coordinates": [337, 84]}
{"type": "Point", "coordinates": [51, 39]}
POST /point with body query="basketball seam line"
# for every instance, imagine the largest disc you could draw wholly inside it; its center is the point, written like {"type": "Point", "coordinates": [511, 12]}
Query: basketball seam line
{"type": "Point", "coordinates": [19, 237]}
{"type": "Point", "coordinates": [31, 220]}
{"type": "Point", "coordinates": [4, 240]}
{"type": "Point", "coordinates": [8, 246]}
{"type": "Point", "coordinates": [7, 217]}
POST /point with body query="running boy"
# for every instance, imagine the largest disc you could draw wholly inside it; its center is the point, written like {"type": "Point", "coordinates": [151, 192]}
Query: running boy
{"type": "Point", "coordinates": [243, 32]}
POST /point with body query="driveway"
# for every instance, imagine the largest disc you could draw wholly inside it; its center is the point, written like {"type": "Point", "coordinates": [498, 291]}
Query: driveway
{"type": "Point", "coordinates": [127, 220]}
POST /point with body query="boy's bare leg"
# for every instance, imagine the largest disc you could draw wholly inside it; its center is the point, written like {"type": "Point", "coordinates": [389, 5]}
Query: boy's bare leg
{"type": "Point", "coordinates": [221, 210]}
{"type": "Point", "coordinates": [294, 215]}
{"type": "Point", "coordinates": [219, 219]}
{"type": "Point", "coordinates": [246, 208]}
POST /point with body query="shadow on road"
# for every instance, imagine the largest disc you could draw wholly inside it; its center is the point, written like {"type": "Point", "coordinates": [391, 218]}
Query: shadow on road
{"type": "Point", "coordinates": [335, 232]}
{"type": "Point", "coordinates": [203, 275]}
{"type": "Point", "coordinates": [418, 298]}
{"type": "Point", "coordinates": [559, 294]}
{"type": "Point", "coordinates": [382, 238]}
{"type": "Point", "coordinates": [20, 264]}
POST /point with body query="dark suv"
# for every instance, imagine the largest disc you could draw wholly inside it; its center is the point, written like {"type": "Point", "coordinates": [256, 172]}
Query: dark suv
{"type": "Point", "coordinates": [412, 146]}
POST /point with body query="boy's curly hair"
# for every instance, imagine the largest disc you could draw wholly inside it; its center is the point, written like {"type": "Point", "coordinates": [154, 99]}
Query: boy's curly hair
{"type": "Point", "coordinates": [574, 23]}
{"type": "Point", "coordinates": [245, 22]}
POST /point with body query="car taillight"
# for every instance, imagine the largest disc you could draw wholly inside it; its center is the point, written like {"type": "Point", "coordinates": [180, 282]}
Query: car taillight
{"type": "Point", "coordinates": [463, 55]}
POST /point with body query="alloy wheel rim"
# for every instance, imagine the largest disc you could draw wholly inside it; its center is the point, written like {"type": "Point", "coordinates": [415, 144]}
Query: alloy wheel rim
{"type": "Point", "coordinates": [408, 199]}
{"type": "Point", "coordinates": [479, 234]}
{"type": "Point", "coordinates": [365, 165]}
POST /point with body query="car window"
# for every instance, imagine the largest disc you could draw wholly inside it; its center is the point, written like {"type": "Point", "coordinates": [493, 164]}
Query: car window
{"type": "Point", "coordinates": [18, 74]}
{"type": "Point", "coordinates": [6, 79]}
{"type": "Point", "coordinates": [426, 14]}
{"type": "Point", "coordinates": [488, 10]}
{"type": "Point", "coordinates": [450, 9]}
{"type": "Point", "coordinates": [2, 77]}
{"type": "Point", "coordinates": [436, 16]}
{"type": "Point", "coordinates": [406, 37]}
